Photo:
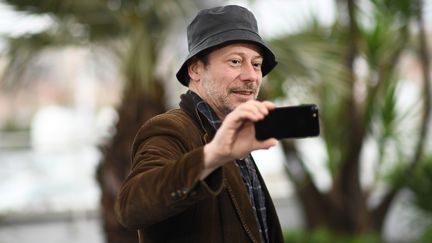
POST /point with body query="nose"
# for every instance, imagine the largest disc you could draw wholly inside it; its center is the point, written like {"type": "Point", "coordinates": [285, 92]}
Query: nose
{"type": "Point", "coordinates": [249, 73]}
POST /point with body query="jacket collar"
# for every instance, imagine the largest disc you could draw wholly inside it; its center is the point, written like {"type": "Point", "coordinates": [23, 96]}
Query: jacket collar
{"type": "Point", "coordinates": [189, 107]}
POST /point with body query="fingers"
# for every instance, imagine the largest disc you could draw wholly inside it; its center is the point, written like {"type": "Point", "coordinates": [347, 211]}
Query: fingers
{"type": "Point", "coordinates": [236, 137]}
{"type": "Point", "coordinates": [253, 110]}
{"type": "Point", "coordinates": [270, 105]}
{"type": "Point", "coordinates": [266, 144]}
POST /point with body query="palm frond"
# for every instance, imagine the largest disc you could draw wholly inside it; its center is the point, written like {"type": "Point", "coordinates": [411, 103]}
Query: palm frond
{"type": "Point", "coordinates": [21, 50]}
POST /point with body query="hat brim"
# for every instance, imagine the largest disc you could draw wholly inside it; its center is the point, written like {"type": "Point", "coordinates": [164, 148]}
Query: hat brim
{"type": "Point", "coordinates": [225, 38]}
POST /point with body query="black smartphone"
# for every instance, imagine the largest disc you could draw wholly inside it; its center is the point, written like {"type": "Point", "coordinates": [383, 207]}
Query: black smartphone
{"type": "Point", "coordinates": [289, 122]}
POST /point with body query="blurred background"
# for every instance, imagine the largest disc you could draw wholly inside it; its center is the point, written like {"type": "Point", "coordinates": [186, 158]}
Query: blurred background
{"type": "Point", "coordinates": [78, 78]}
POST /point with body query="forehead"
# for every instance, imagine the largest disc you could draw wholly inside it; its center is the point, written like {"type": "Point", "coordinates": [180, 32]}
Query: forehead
{"type": "Point", "coordinates": [246, 49]}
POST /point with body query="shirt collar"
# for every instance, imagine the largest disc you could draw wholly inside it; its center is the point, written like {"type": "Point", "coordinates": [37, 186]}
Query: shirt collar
{"type": "Point", "coordinates": [205, 109]}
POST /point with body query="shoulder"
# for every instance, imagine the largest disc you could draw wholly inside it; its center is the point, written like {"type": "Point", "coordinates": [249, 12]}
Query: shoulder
{"type": "Point", "coordinates": [174, 125]}
{"type": "Point", "coordinates": [173, 119]}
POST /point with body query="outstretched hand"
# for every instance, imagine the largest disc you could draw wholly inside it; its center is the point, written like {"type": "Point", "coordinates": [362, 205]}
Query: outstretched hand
{"type": "Point", "coordinates": [236, 137]}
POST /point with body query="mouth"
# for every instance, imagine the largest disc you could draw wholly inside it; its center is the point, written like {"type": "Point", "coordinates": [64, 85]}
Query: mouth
{"type": "Point", "coordinates": [244, 93]}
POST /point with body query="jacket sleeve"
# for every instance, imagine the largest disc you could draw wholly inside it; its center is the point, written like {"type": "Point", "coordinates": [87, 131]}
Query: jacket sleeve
{"type": "Point", "coordinates": [164, 179]}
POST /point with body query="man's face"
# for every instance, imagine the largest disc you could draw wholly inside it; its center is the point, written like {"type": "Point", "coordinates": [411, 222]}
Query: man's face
{"type": "Point", "coordinates": [232, 76]}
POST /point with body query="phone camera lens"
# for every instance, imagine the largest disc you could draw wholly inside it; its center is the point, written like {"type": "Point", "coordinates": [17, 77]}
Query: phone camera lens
{"type": "Point", "coordinates": [314, 108]}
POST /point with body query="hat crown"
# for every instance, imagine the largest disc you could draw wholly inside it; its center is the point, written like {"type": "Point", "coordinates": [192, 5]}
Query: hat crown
{"type": "Point", "coordinates": [210, 22]}
{"type": "Point", "coordinates": [220, 26]}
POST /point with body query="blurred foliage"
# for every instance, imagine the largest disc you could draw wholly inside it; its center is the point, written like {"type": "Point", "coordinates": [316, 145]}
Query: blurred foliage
{"type": "Point", "coordinates": [353, 70]}
{"type": "Point", "coordinates": [427, 236]}
{"type": "Point", "coordinates": [12, 125]}
{"type": "Point", "coordinates": [322, 235]}
{"type": "Point", "coordinates": [133, 33]}
{"type": "Point", "coordinates": [421, 185]}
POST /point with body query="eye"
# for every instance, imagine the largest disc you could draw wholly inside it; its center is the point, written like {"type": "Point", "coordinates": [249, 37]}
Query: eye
{"type": "Point", "coordinates": [235, 62]}
{"type": "Point", "coordinates": [257, 65]}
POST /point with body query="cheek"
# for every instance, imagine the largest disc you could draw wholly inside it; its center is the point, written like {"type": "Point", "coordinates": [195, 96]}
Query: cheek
{"type": "Point", "coordinates": [223, 85]}
{"type": "Point", "coordinates": [213, 88]}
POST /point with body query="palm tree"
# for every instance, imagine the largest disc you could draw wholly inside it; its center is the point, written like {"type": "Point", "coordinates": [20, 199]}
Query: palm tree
{"type": "Point", "coordinates": [358, 107]}
{"type": "Point", "coordinates": [133, 32]}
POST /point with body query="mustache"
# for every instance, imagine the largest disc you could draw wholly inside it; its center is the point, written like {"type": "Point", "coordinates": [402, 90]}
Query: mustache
{"type": "Point", "coordinates": [248, 87]}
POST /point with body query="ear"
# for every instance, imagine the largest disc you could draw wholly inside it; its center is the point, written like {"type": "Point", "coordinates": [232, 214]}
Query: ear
{"type": "Point", "coordinates": [194, 70]}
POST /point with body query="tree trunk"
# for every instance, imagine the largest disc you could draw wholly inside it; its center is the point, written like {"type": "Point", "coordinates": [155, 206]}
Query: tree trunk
{"type": "Point", "coordinates": [343, 208]}
{"type": "Point", "coordinates": [136, 108]}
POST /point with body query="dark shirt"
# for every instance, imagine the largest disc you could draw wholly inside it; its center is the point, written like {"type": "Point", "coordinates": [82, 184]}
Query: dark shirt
{"type": "Point", "coordinates": [247, 170]}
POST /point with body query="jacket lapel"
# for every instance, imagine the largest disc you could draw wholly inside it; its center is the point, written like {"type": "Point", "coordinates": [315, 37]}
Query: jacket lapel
{"type": "Point", "coordinates": [238, 195]}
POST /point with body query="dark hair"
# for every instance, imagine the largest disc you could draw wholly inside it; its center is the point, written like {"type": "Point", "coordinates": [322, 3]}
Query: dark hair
{"type": "Point", "coordinates": [201, 56]}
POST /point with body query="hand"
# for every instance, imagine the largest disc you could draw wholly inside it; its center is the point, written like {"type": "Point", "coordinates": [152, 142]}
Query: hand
{"type": "Point", "coordinates": [236, 137]}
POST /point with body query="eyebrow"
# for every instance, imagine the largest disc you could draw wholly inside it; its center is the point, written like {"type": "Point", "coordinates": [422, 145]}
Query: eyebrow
{"type": "Point", "coordinates": [243, 53]}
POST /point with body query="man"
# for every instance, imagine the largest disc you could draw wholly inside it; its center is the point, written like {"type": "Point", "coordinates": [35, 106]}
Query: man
{"type": "Point", "coordinates": [192, 177]}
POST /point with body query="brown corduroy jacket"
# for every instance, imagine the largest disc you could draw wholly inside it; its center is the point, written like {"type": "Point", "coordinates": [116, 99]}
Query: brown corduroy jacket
{"type": "Point", "coordinates": [164, 199]}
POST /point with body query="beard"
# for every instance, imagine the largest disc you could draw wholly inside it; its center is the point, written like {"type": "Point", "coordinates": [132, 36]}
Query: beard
{"type": "Point", "coordinates": [220, 98]}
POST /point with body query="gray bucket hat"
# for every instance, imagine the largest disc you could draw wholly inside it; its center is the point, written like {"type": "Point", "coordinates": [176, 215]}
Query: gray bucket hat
{"type": "Point", "coordinates": [220, 26]}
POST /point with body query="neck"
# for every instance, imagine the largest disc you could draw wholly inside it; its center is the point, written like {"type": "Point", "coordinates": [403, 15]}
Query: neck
{"type": "Point", "coordinates": [221, 115]}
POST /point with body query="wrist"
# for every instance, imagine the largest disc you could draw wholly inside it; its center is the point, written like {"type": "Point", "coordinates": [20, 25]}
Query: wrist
{"type": "Point", "coordinates": [210, 157]}
{"type": "Point", "coordinates": [211, 160]}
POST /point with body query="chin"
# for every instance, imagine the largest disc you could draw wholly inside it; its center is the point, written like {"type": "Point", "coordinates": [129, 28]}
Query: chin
{"type": "Point", "coordinates": [243, 100]}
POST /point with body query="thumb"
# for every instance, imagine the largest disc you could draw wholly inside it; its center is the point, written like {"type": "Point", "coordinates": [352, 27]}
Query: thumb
{"type": "Point", "coordinates": [266, 144]}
